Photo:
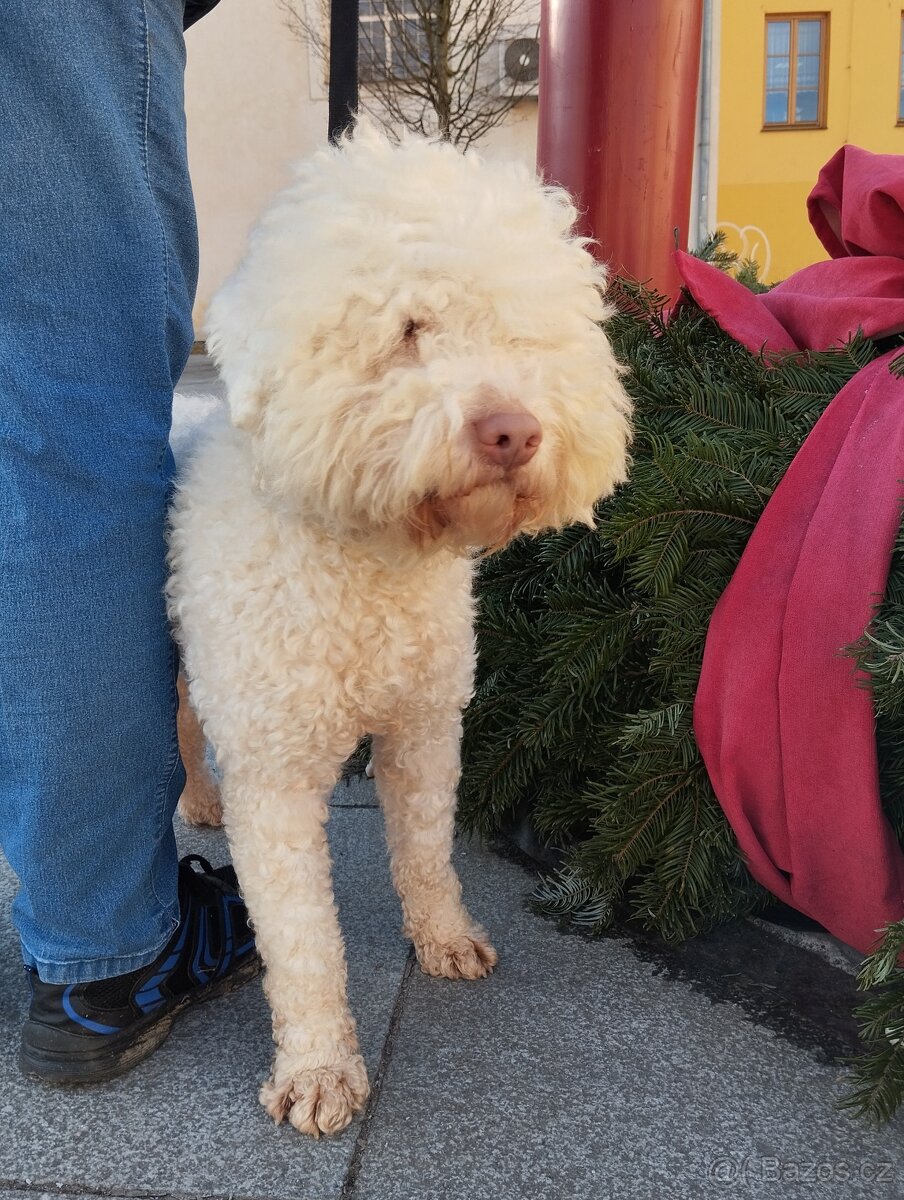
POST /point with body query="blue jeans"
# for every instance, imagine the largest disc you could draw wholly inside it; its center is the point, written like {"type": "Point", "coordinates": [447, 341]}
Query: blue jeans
{"type": "Point", "coordinates": [98, 266]}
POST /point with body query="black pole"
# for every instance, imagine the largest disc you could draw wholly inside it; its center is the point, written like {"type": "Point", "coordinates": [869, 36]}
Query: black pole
{"type": "Point", "coordinates": [343, 66]}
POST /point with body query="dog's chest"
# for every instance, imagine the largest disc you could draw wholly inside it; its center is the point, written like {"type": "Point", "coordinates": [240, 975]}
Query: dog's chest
{"type": "Point", "coordinates": [391, 642]}
{"type": "Point", "coordinates": [274, 617]}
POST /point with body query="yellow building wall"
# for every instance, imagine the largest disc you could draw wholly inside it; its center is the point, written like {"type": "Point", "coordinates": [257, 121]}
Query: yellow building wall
{"type": "Point", "coordinates": [764, 176]}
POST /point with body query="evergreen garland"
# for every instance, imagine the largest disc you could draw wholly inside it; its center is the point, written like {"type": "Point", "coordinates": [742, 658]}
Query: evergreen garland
{"type": "Point", "coordinates": [591, 643]}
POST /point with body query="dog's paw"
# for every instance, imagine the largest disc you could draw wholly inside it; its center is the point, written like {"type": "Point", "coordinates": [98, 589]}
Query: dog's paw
{"type": "Point", "coordinates": [201, 806]}
{"type": "Point", "coordinates": [318, 1099]}
{"type": "Point", "coordinates": [464, 957]}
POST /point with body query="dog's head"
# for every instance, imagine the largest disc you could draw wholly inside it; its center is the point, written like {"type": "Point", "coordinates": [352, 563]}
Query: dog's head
{"type": "Point", "coordinates": [413, 343]}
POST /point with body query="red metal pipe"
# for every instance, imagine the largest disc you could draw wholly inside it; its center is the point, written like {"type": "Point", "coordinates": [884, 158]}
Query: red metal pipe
{"type": "Point", "coordinates": [618, 98]}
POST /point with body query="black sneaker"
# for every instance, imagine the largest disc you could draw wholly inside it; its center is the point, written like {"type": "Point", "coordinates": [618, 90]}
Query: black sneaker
{"type": "Point", "coordinates": [88, 1032]}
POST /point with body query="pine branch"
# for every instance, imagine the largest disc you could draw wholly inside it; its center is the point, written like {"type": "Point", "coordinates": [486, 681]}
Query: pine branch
{"type": "Point", "coordinates": [876, 1078]}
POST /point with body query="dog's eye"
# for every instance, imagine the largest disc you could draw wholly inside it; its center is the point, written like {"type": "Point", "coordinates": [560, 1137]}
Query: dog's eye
{"type": "Point", "coordinates": [412, 329]}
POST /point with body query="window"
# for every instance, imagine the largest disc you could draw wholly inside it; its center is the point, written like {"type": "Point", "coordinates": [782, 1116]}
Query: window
{"type": "Point", "coordinates": [901, 75]}
{"type": "Point", "coordinates": [392, 43]}
{"type": "Point", "coordinates": [796, 62]}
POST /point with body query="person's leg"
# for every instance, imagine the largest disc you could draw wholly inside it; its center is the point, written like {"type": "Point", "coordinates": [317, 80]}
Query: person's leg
{"type": "Point", "coordinates": [97, 276]}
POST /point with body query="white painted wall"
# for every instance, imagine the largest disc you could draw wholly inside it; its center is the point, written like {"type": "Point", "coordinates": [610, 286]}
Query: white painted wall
{"type": "Point", "coordinates": [251, 114]}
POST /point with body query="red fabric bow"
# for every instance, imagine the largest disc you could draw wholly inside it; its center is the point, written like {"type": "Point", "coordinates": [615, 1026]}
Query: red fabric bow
{"type": "Point", "coordinates": [783, 723]}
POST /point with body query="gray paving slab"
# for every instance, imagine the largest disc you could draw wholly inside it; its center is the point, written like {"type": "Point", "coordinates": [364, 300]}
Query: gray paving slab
{"type": "Point", "coordinates": [27, 1193]}
{"type": "Point", "coordinates": [200, 378]}
{"type": "Point", "coordinates": [187, 1121]}
{"type": "Point", "coordinates": [30, 1194]}
{"type": "Point", "coordinates": [578, 1073]}
{"type": "Point", "coordinates": [355, 792]}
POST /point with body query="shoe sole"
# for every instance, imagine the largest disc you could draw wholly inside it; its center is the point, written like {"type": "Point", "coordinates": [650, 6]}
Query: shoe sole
{"type": "Point", "coordinates": [105, 1058]}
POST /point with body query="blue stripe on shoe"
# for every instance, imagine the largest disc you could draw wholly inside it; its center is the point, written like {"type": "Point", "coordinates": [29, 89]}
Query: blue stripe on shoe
{"type": "Point", "coordinates": [85, 1022]}
{"type": "Point", "coordinates": [237, 951]}
{"type": "Point", "coordinates": [149, 996]}
{"type": "Point", "coordinates": [209, 961]}
{"type": "Point", "coordinates": [231, 950]}
{"type": "Point", "coordinates": [150, 999]}
{"type": "Point", "coordinates": [225, 902]}
{"type": "Point", "coordinates": [202, 971]}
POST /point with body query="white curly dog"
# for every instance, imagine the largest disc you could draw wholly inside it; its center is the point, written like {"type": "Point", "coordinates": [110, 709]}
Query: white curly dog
{"type": "Point", "coordinates": [415, 367]}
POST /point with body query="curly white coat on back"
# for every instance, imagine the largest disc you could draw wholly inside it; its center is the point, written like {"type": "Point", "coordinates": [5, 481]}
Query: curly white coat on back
{"type": "Point", "coordinates": [321, 545]}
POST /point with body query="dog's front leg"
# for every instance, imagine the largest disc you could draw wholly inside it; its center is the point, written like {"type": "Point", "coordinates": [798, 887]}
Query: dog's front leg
{"type": "Point", "coordinates": [416, 773]}
{"type": "Point", "coordinates": [279, 847]}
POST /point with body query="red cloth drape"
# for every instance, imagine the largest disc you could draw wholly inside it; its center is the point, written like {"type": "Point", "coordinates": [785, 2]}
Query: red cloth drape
{"type": "Point", "coordinates": [783, 721]}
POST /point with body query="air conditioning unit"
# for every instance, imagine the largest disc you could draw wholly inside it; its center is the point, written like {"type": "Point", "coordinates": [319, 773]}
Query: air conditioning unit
{"type": "Point", "coordinates": [519, 66]}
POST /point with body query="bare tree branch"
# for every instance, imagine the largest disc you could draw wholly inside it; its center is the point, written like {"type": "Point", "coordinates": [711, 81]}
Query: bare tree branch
{"type": "Point", "coordinates": [429, 65]}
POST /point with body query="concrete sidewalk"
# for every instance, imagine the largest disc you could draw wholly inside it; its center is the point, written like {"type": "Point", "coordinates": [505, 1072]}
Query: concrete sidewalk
{"type": "Point", "coordinates": [581, 1070]}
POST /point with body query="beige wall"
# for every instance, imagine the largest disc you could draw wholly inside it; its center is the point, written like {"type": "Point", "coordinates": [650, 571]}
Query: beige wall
{"type": "Point", "coordinates": [251, 114]}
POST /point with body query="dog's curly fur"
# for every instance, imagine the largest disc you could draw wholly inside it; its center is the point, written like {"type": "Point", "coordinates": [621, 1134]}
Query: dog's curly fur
{"type": "Point", "coordinates": [322, 546]}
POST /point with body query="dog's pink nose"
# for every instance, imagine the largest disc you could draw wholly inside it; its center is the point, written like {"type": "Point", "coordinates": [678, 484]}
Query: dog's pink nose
{"type": "Point", "coordinates": [509, 439]}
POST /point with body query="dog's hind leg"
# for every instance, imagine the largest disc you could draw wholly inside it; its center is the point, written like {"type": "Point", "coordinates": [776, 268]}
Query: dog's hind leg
{"type": "Point", "coordinates": [417, 772]}
{"type": "Point", "coordinates": [278, 839]}
{"type": "Point", "coordinates": [200, 800]}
